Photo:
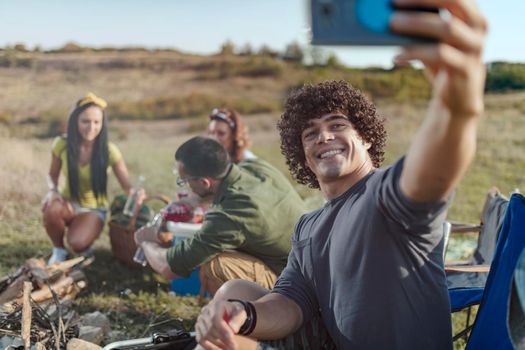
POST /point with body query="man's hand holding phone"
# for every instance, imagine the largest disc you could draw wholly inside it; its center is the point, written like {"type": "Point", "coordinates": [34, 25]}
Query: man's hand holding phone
{"type": "Point", "coordinates": [455, 60]}
{"type": "Point", "coordinates": [362, 22]}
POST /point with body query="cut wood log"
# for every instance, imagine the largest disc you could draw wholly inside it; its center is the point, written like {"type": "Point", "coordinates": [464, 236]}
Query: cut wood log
{"type": "Point", "coordinates": [7, 280]}
{"type": "Point", "coordinates": [62, 287]}
{"type": "Point", "coordinates": [14, 290]}
{"type": "Point", "coordinates": [65, 265]}
{"type": "Point", "coordinates": [65, 278]}
{"type": "Point", "coordinates": [37, 269]}
{"type": "Point", "coordinates": [26, 316]}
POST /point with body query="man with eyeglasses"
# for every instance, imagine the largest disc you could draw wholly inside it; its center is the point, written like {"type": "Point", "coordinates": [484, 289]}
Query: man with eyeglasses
{"type": "Point", "coordinates": [366, 270]}
{"type": "Point", "coordinates": [246, 234]}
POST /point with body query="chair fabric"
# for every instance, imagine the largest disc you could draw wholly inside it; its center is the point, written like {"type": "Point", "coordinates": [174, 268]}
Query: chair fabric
{"type": "Point", "coordinates": [466, 288]}
{"type": "Point", "coordinates": [490, 327]}
{"type": "Point", "coordinates": [488, 236]}
{"type": "Point", "coordinates": [516, 316]}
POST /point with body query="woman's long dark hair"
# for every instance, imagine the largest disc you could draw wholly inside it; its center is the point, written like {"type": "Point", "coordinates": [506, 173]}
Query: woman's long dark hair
{"type": "Point", "coordinates": [99, 156]}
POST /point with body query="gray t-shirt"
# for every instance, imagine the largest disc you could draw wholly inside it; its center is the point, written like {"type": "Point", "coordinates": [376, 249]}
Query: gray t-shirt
{"type": "Point", "coordinates": [371, 262]}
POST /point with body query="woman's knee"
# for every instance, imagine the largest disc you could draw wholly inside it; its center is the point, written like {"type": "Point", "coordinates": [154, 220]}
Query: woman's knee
{"type": "Point", "coordinates": [53, 214]}
{"type": "Point", "coordinates": [56, 212]}
{"type": "Point", "coordinates": [80, 240]}
{"type": "Point", "coordinates": [78, 245]}
{"type": "Point", "coordinates": [83, 230]}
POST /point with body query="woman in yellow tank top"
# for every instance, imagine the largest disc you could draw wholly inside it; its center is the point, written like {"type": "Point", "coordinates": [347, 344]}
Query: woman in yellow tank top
{"type": "Point", "coordinates": [83, 157]}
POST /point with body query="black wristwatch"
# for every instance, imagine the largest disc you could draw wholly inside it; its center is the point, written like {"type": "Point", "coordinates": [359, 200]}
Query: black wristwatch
{"type": "Point", "coordinates": [251, 316]}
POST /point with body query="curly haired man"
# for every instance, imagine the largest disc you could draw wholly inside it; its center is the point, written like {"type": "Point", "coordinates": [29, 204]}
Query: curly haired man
{"type": "Point", "coordinates": [366, 269]}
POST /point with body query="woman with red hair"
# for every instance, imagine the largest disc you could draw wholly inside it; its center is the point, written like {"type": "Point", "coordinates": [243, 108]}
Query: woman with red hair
{"type": "Point", "coordinates": [227, 127]}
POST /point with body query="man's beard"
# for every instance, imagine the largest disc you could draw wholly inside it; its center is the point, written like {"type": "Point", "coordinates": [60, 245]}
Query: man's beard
{"type": "Point", "coordinates": [206, 196]}
{"type": "Point", "coordinates": [330, 170]}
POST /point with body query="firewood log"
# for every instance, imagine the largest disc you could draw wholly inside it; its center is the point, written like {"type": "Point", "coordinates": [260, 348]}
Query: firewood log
{"type": "Point", "coordinates": [14, 290]}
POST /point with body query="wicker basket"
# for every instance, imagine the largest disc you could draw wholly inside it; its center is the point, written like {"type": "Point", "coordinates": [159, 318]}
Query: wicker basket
{"type": "Point", "coordinates": [123, 244]}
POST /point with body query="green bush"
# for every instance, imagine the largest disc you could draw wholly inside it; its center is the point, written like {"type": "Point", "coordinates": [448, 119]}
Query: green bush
{"type": "Point", "coordinates": [248, 66]}
{"type": "Point", "coordinates": [257, 67]}
{"type": "Point", "coordinates": [10, 59]}
{"type": "Point", "coordinates": [194, 104]}
{"type": "Point", "coordinates": [502, 76]}
{"type": "Point", "coordinates": [399, 84]}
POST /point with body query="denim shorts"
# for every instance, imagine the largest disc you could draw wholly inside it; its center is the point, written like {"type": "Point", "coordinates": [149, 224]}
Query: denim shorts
{"type": "Point", "coordinates": [101, 212]}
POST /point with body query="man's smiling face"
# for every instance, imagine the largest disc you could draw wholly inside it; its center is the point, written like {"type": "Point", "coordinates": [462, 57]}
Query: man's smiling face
{"type": "Point", "coordinates": [333, 148]}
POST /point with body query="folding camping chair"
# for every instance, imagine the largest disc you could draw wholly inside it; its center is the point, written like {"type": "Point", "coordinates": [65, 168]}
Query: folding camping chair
{"type": "Point", "coordinates": [516, 315]}
{"type": "Point", "coordinates": [489, 330]}
{"type": "Point", "coordinates": [466, 279]}
{"type": "Point", "coordinates": [491, 219]}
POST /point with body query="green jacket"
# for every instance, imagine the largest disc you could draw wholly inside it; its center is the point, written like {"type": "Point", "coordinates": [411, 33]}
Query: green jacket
{"type": "Point", "coordinates": [254, 212]}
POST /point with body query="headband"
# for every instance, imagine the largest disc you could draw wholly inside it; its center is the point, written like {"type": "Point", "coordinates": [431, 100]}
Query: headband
{"type": "Point", "coordinates": [218, 115]}
{"type": "Point", "coordinates": [92, 98]}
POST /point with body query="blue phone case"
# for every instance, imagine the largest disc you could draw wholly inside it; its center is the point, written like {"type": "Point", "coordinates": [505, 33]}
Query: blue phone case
{"type": "Point", "coordinates": [356, 22]}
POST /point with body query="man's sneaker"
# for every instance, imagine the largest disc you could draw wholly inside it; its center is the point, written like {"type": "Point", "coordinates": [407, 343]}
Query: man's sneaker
{"type": "Point", "coordinates": [59, 255]}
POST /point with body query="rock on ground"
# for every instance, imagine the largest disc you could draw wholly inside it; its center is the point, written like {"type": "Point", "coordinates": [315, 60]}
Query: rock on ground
{"type": "Point", "coordinates": [79, 344]}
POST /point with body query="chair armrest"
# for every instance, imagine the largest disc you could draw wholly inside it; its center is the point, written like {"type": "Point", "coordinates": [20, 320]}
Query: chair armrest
{"type": "Point", "coordinates": [464, 228]}
{"type": "Point", "coordinates": [472, 268]}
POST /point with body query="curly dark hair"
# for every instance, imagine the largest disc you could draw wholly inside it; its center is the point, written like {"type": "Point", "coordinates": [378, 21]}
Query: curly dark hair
{"type": "Point", "coordinates": [313, 101]}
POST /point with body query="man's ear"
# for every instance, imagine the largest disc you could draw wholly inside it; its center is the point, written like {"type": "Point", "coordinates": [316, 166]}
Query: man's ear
{"type": "Point", "coordinates": [206, 181]}
{"type": "Point", "coordinates": [366, 144]}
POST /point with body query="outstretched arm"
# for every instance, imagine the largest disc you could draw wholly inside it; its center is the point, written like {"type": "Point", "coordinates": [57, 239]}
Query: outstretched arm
{"type": "Point", "coordinates": [445, 144]}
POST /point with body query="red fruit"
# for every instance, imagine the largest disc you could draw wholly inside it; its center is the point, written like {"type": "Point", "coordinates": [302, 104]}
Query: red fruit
{"type": "Point", "coordinates": [177, 212]}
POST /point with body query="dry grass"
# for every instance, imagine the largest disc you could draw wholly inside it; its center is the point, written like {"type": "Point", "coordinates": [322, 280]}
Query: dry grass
{"type": "Point", "coordinates": [148, 148]}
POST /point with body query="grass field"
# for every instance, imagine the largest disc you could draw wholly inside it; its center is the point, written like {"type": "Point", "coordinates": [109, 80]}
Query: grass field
{"type": "Point", "coordinates": [138, 300]}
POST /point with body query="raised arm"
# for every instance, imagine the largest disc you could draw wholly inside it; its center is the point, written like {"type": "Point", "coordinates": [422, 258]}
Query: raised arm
{"type": "Point", "coordinates": [445, 144]}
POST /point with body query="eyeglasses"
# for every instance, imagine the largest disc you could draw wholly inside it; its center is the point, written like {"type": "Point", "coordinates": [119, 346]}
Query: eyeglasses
{"type": "Point", "coordinates": [181, 182]}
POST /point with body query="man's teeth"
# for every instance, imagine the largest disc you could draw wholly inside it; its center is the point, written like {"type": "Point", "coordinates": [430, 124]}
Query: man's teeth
{"type": "Point", "coordinates": [330, 153]}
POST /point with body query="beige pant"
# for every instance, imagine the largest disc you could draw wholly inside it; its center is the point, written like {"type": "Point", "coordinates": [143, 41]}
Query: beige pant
{"type": "Point", "coordinates": [231, 265]}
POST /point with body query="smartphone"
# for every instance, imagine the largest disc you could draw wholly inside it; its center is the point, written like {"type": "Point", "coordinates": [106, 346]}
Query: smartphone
{"type": "Point", "coordinates": [358, 22]}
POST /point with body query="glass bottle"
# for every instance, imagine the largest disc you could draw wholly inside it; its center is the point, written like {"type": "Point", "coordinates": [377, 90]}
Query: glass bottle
{"type": "Point", "coordinates": [140, 257]}
{"type": "Point", "coordinates": [131, 202]}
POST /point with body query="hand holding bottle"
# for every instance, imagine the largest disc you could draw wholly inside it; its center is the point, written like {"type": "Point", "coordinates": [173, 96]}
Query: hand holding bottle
{"type": "Point", "coordinates": [149, 232]}
{"type": "Point", "coordinates": [135, 198]}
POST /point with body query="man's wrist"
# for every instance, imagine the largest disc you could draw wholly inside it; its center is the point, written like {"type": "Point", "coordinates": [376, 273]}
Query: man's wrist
{"type": "Point", "coordinates": [251, 316]}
